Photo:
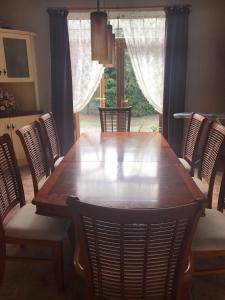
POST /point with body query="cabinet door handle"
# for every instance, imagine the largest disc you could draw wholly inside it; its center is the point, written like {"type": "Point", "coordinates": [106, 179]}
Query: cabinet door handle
{"type": "Point", "coordinates": [4, 71]}
{"type": "Point", "coordinates": [13, 127]}
{"type": "Point", "coordinates": [7, 126]}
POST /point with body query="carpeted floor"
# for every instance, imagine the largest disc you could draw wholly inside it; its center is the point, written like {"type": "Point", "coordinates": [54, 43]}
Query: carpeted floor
{"type": "Point", "coordinates": [31, 281]}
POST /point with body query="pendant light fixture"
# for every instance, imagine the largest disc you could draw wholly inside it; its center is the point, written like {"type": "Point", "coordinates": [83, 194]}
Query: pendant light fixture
{"type": "Point", "coordinates": [108, 61]}
{"type": "Point", "coordinates": [113, 50]}
{"type": "Point", "coordinates": [111, 45]}
{"type": "Point", "coordinates": [99, 35]}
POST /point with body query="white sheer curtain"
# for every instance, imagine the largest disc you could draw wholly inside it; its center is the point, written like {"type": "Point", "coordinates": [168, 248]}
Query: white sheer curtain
{"type": "Point", "coordinates": [145, 42]}
{"type": "Point", "coordinates": [86, 74]}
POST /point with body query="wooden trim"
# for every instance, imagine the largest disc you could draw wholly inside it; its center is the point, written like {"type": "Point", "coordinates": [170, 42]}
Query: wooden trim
{"type": "Point", "coordinates": [13, 31]}
{"type": "Point", "coordinates": [102, 91]}
{"type": "Point", "coordinates": [76, 120]}
{"type": "Point", "coordinates": [113, 8]}
{"type": "Point", "coordinates": [208, 272]}
{"type": "Point", "coordinates": [160, 122]}
{"type": "Point", "coordinates": [30, 258]}
{"type": "Point", "coordinates": [120, 71]}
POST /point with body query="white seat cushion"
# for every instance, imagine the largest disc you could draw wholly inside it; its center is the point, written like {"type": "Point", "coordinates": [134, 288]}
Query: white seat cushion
{"type": "Point", "coordinates": [204, 188]}
{"type": "Point", "coordinates": [185, 164]}
{"type": "Point", "coordinates": [58, 161]}
{"type": "Point", "coordinates": [210, 232]}
{"type": "Point", "coordinates": [28, 225]}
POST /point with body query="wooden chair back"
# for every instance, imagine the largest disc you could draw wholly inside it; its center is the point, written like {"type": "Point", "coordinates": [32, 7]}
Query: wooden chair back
{"type": "Point", "coordinates": [11, 188]}
{"type": "Point", "coordinates": [212, 152]}
{"type": "Point", "coordinates": [193, 139]}
{"type": "Point", "coordinates": [51, 137]}
{"type": "Point", "coordinates": [133, 254]}
{"type": "Point", "coordinates": [115, 119]}
{"type": "Point", "coordinates": [33, 145]}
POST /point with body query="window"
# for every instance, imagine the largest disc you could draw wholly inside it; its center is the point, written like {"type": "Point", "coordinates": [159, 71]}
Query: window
{"type": "Point", "coordinates": [137, 78]}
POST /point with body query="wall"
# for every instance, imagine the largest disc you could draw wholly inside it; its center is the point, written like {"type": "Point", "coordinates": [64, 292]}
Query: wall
{"type": "Point", "coordinates": [206, 56]}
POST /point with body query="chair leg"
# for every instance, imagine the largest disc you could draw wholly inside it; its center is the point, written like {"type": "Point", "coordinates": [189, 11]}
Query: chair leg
{"type": "Point", "coordinates": [183, 290]}
{"type": "Point", "coordinates": [71, 235]}
{"type": "Point", "coordinates": [192, 171]}
{"type": "Point", "coordinates": [220, 204]}
{"type": "Point", "coordinates": [209, 196]}
{"type": "Point", "coordinates": [2, 262]}
{"type": "Point", "coordinates": [57, 255]}
{"type": "Point", "coordinates": [183, 293]}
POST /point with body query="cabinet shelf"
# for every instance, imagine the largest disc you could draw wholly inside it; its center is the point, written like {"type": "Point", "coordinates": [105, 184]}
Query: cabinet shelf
{"type": "Point", "coordinates": [20, 113]}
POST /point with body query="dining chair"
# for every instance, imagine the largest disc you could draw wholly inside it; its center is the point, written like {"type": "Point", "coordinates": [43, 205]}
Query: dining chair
{"type": "Point", "coordinates": [115, 119]}
{"type": "Point", "coordinates": [23, 226]}
{"type": "Point", "coordinates": [209, 238]}
{"type": "Point", "coordinates": [209, 244]}
{"type": "Point", "coordinates": [133, 253]}
{"type": "Point", "coordinates": [209, 163]}
{"type": "Point", "coordinates": [51, 139]}
{"type": "Point", "coordinates": [33, 145]}
{"type": "Point", "coordinates": [192, 143]}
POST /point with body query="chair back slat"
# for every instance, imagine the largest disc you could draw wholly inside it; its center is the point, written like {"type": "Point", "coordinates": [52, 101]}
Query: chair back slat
{"type": "Point", "coordinates": [51, 137]}
{"type": "Point", "coordinates": [115, 119]}
{"type": "Point", "coordinates": [212, 152]}
{"type": "Point", "coordinates": [193, 137]}
{"type": "Point", "coordinates": [11, 188]}
{"type": "Point", "coordinates": [32, 142]}
{"type": "Point", "coordinates": [133, 254]}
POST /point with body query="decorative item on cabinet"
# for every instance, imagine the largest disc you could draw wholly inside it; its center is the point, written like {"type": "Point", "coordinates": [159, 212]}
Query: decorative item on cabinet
{"type": "Point", "coordinates": [7, 101]}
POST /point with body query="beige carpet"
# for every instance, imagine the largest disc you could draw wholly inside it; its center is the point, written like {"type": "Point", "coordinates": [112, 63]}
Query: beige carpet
{"type": "Point", "coordinates": [31, 281]}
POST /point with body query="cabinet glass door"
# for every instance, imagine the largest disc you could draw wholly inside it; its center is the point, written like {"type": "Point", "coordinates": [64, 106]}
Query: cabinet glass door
{"type": "Point", "coordinates": [16, 57]}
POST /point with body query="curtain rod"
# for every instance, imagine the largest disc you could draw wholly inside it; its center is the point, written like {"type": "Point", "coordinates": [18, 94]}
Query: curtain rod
{"type": "Point", "coordinates": [113, 8]}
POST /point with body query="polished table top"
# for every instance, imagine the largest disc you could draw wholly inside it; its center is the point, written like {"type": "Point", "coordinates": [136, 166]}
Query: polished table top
{"type": "Point", "coordinates": [125, 170]}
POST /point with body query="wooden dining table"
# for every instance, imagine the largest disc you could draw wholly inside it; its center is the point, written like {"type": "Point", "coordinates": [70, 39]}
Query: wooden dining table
{"type": "Point", "coordinates": [120, 170]}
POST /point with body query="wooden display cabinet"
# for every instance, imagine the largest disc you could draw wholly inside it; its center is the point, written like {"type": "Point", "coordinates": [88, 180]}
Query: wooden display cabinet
{"type": "Point", "coordinates": [18, 72]}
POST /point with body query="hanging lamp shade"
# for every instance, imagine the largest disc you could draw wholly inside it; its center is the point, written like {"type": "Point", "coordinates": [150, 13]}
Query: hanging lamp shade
{"type": "Point", "coordinates": [108, 60]}
{"type": "Point", "coordinates": [113, 50]}
{"type": "Point", "coordinates": [109, 40]}
{"type": "Point", "coordinates": [112, 62]}
{"type": "Point", "coordinates": [99, 35]}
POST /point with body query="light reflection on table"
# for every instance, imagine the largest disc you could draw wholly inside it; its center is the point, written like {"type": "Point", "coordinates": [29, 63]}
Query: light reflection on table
{"type": "Point", "coordinates": [126, 170]}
